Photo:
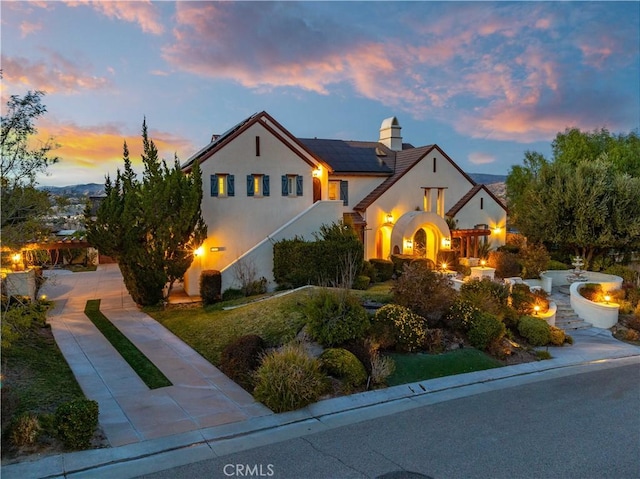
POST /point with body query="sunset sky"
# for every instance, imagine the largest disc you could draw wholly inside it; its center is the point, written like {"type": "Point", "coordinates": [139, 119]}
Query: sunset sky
{"type": "Point", "coordinates": [485, 81]}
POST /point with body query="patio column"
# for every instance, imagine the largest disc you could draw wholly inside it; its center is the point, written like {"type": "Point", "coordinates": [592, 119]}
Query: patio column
{"type": "Point", "coordinates": [468, 250]}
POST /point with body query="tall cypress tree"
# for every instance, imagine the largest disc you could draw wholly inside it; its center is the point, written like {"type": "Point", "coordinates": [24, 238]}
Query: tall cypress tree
{"type": "Point", "coordinates": [150, 226]}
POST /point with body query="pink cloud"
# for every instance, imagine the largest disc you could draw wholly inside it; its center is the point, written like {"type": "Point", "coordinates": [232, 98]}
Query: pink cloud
{"type": "Point", "coordinates": [142, 12]}
{"type": "Point", "coordinates": [56, 75]}
{"type": "Point", "coordinates": [27, 28]}
{"type": "Point", "coordinates": [479, 158]}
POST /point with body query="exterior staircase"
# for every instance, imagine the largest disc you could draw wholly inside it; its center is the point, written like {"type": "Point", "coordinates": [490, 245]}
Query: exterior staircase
{"type": "Point", "coordinates": [566, 317]}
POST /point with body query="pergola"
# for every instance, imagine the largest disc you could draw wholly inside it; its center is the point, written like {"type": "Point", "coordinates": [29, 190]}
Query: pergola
{"type": "Point", "coordinates": [470, 241]}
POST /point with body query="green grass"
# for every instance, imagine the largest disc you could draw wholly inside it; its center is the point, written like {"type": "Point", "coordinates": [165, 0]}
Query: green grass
{"type": "Point", "coordinates": [37, 373]}
{"type": "Point", "coordinates": [147, 371]}
{"type": "Point", "coordinates": [418, 367]}
{"type": "Point", "coordinates": [378, 292]}
{"type": "Point", "coordinates": [208, 330]}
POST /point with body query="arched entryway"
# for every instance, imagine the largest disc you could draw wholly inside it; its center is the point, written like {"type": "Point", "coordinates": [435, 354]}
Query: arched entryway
{"type": "Point", "coordinates": [421, 233]}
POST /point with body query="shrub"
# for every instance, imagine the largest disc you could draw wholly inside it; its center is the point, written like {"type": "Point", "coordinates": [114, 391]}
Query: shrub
{"type": "Point", "coordinates": [534, 259]}
{"type": "Point", "coordinates": [568, 339]}
{"type": "Point", "coordinates": [523, 300]}
{"type": "Point", "coordinates": [210, 286]}
{"type": "Point", "coordinates": [461, 314]}
{"type": "Point", "coordinates": [399, 261]}
{"type": "Point", "coordinates": [288, 379]}
{"type": "Point", "coordinates": [505, 263]}
{"type": "Point", "coordinates": [434, 341]}
{"type": "Point", "coordinates": [334, 317]}
{"type": "Point", "coordinates": [383, 268]}
{"type": "Point", "coordinates": [590, 291]}
{"type": "Point", "coordinates": [557, 336]}
{"type": "Point", "coordinates": [231, 294]}
{"type": "Point", "coordinates": [9, 403]}
{"type": "Point", "coordinates": [627, 274]}
{"type": "Point", "coordinates": [559, 265]}
{"type": "Point", "coordinates": [76, 422]}
{"type": "Point", "coordinates": [408, 330]}
{"type": "Point", "coordinates": [424, 292]}
{"type": "Point", "coordinates": [485, 295]}
{"type": "Point", "coordinates": [535, 330]}
{"type": "Point", "coordinates": [241, 358]}
{"type": "Point", "coordinates": [381, 368]}
{"type": "Point", "coordinates": [485, 329]}
{"type": "Point", "coordinates": [343, 365]}
{"type": "Point", "coordinates": [25, 430]}
{"type": "Point", "coordinates": [361, 282]}
{"type": "Point", "coordinates": [424, 262]}
{"type": "Point", "coordinates": [543, 355]}
{"type": "Point", "coordinates": [362, 349]}
{"type": "Point", "coordinates": [259, 286]}
{"type": "Point", "coordinates": [369, 270]}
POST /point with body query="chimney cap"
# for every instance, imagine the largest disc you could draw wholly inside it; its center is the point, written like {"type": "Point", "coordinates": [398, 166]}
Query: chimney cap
{"type": "Point", "coordinates": [390, 122]}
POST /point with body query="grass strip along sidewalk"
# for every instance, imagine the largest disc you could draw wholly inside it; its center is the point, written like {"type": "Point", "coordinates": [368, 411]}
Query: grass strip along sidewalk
{"type": "Point", "coordinates": [144, 368]}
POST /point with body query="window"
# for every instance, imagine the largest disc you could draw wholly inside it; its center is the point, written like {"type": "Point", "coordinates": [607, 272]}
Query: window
{"type": "Point", "coordinates": [334, 189]}
{"type": "Point", "coordinates": [434, 164]}
{"type": "Point", "coordinates": [222, 185]}
{"type": "Point", "coordinates": [257, 146]}
{"type": "Point", "coordinates": [481, 203]}
{"type": "Point", "coordinates": [339, 190]}
{"type": "Point", "coordinates": [257, 185]}
{"type": "Point", "coordinates": [292, 185]}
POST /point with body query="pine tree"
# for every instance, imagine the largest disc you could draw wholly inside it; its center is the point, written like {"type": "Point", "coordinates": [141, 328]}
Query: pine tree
{"type": "Point", "coordinates": [152, 226]}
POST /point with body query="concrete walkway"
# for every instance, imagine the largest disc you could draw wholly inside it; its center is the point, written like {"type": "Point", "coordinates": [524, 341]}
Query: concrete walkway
{"type": "Point", "coordinates": [217, 416]}
{"type": "Point", "coordinates": [201, 396]}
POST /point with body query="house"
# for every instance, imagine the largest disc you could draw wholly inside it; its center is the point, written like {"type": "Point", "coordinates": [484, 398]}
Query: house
{"type": "Point", "coordinates": [262, 184]}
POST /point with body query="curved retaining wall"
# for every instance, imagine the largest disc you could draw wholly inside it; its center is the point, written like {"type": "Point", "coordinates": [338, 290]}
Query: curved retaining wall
{"type": "Point", "coordinates": [601, 315]}
{"type": "Point", "coordinates": [558, 277]}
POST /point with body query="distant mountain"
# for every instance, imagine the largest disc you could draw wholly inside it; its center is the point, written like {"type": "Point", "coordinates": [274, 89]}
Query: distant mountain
{"type": "Point", "coordinates": [487, 179]}
{"type": "Point", "coordinates": [90, 189]}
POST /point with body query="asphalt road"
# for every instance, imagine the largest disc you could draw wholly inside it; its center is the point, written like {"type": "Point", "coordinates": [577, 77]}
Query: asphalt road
{"type": "Point", "coordinates": [581, 426]}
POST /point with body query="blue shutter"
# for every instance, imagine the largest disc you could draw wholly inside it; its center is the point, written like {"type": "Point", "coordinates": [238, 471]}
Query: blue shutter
{"type": "Point", "coordinates": [249, 185]}
{"type": "Point", "coordinates": [231, 188]}
{"type": "Point", "coordinates": [299, 185]}
{"type": "Point", "coordinates": [344, 192]}
{"type": "Point", "coordinates": [285, 186]}
{"type": "Point", "coordinates": [265, 185]}
{"type": "Point", "coordinates": [214, 185]}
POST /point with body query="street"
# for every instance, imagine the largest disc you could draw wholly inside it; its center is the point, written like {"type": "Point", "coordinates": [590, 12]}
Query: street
{"type": "Point", "coordinates": [581, 426]}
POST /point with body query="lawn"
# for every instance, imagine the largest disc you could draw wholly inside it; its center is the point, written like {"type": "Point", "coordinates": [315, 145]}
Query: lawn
{"type": "Point", "coordinates": [208, 330]}
{"type": "Point", "coordinates": [418, 367]}
{"type": "Point", "coordinates": [143, 367]}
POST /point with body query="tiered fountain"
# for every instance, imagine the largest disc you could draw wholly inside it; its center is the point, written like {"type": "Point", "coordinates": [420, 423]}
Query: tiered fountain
{"type": "Point", "coordinates": [577, 274]}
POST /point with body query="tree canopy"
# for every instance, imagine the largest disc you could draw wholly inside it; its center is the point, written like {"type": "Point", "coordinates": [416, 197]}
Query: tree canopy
{"type": "Point", "coordinates": [586, 199]}
{"type": "Point", "coordinates": [23, 159]}
{"type": "Point", "coordinates": [150, 226]}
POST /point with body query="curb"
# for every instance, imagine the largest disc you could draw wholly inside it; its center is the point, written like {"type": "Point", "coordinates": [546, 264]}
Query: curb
{"type": "Point", "coordinates": [158, 454]}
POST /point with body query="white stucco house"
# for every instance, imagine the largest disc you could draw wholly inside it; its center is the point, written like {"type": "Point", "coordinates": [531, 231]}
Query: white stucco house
{"type": "Point", "coordinates": [262, 184]}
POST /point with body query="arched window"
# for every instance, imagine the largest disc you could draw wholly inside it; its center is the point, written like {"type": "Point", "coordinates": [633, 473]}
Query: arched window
{"type": "Point", "coordinates": [420, 243]}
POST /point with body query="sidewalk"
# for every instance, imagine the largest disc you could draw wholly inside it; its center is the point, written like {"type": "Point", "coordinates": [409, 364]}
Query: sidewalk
{"type": "Point", "coordinates": [205, 415]}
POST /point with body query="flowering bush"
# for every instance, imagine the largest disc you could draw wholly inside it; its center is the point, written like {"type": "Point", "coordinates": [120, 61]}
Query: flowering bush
{"type": "Point", "coordinates": [408, 329]}
{"type": "Point", "coordinates": [461, 314]}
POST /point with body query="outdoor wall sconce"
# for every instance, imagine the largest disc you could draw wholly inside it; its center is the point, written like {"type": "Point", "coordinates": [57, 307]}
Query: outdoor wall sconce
{"type": "Point", "coordinates": [215, 249]}
{"type": "Point", "coordinates": [408, 244]}
{"type": "Point", "coordinates": [317, 172]}
{"type": "Point", "coordinates": [497, 230]}
{"type": "Point", "coordinates": [388, 218]}
{"type": "Point", "coordinates": [198, 252]}
{"type": "Point", "coordinates": [446, 243]}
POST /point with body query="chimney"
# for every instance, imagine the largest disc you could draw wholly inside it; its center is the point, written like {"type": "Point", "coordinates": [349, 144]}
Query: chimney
{"type": "Point", "coordinates": [390, 134]}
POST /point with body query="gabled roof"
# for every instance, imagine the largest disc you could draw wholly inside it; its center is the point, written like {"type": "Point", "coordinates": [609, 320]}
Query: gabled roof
{"type": "Point", "coordinates": [468, 196]}
{"type": "Point", "coordinates": [266, 121]}
{"type": "Point", "coordinates": [365, 157]}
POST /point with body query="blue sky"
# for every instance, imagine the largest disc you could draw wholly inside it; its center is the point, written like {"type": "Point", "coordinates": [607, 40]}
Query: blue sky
{"type": "Point", "coordinates": [485, 81]}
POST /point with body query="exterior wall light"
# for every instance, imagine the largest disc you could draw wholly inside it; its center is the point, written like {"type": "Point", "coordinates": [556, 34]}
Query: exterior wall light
{"type": "Point", "coordinates": [317, 172]}
{"type": "Point", "coordinates": [408, 244]}
{"type": "Point", "coordinates": [497, 230]}
{"type": "Point", "coordinates": [446, 242]}
{"type": "Point", "coordinates": [199, 251]}
{"type": "Point", "coordinates": [388, 218]}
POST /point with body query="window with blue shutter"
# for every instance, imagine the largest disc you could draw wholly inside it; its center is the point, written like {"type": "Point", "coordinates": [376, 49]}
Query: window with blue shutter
{"type": "Point", "coordinates": [214, 185]}
{"type": "Point", "coordinates": [250, 185]}
{"type": "Point", "coordinates": [265, 185]}
{"type": "Point", "coordinates": [299, 185]}
{"type": "Point", "coordinates": [344, 192]}
{"type": "Point", "coordinates": [285, 185]}
{"type": "Point", "coordinates": [230, 186]}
